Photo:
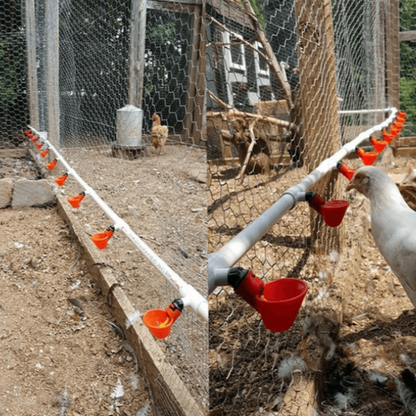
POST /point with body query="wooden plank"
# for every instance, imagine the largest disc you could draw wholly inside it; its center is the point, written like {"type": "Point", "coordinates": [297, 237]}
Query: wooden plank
{"type": "Point", "coordinates": [52, 71]}
{"type": "Point", "coordinates": [404, 151]}
{"type": "Point", "coordinates": [14, 153]}
{"type": "Point", "coordinates": [32, 77]}
{"type": "Point", "coordinates": [407, 36]}
{"type": "Point", "coordinates": [169, 393]}
{"type": "Point", "coordinates": [393, 53]}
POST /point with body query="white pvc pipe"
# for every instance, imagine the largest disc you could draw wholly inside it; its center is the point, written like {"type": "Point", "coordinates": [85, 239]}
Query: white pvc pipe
{"type": "Point", "coordinates": [376, 110]}
{"type": "Point", "coordinates": [235, 249]}
{"type": "Point", "coordinates": [192, 297]}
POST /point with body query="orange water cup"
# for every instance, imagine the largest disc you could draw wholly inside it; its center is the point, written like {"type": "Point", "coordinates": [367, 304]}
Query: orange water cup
{"type": "Point", "coordinates": [76, 200]}
{"type": "Point", "coordinates": [101, 239]}
{"type": "Point", "coordinates": [279, 303]}
{"type": "Point", "coordinates": [51, 165]}
{"type": "Point", "coordinates": [60, 180]}
{"type": "Point", "coordinates": [379, 146]}
{"type": "Point", "coordinates": [159, 321]}
{"type": "Point", "coordinates": [368, 158]}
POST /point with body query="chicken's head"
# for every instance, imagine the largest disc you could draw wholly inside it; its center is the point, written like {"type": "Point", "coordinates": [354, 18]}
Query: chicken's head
{"type": "Point", "coordinates": [360, 181]}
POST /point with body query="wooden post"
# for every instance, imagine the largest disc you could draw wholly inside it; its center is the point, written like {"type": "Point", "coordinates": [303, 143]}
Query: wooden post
{"type": "Point", "coordinates": [52, 71]}
{"type": "Point", "coordinates": [137, 50]}
{"type": "Point", "coordinates": [199, 110]}
{"type": "Point", "coordinates": [379, 60]}
{"type": "Point", "coordinates": [318, 105]}
{"type": "Point", "coordinates": [193, 73]}
{"type": "Point", "coordinates": [32, 78]}
{"type": "Point", "coordinates": [393, 53]}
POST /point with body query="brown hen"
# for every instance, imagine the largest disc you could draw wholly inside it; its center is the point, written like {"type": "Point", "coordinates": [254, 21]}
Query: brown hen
{"type": "Point", "coordinates": [159, 134]}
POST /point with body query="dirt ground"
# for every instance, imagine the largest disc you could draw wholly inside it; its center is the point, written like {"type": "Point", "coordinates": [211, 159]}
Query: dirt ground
{"type": "Point", "coordinates": [164, 201]}
{"type": "Point", "coordinates": [61, 353]}
{"type": "Point", "coordinates": [369, 325]}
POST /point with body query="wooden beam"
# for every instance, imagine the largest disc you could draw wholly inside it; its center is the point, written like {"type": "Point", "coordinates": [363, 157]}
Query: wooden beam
{"type": "Point", "coordinates": [199, 109]}
{"type": "Point", "coordinates": [137, 51]}
{"type": "Point", "coordinates": [393, 53]}
{"type": "Point", "coordinates": [407, 36]}
{"type": "Point", "coordinates": [52, 71]}
{"type": "Point", "coordinates": [32, 77]}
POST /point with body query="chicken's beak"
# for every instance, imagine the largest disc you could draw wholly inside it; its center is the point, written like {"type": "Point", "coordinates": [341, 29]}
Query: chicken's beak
{"type": "Point", "coordinates": [352, 185]}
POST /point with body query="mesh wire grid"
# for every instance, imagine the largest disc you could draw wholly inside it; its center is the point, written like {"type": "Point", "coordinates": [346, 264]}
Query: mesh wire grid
{"type": "Point", "coordinates": [161, 195]}
{"type": "Point", "coordinates": [254, 371]}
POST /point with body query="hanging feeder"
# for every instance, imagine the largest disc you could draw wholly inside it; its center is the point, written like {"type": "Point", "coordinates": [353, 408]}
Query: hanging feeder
{"type": "Point", "coordinates": [76, 200]}
{"type": "Point", "coordinates": [52, 165]}
{"type": "Point", "coordinates": [368, 158]}
{"type": "Point", "coordinates": [379, 146]}
{"type": "Point", "coordinates": [60, 180]}
{"type": "Point", "coordinates": [345, 170]}
{"type": "Point", "coordinates": [159, 321]}
{"type": "Point", "coordinates": [331, 211]}
{"type": "Point", "coordinates": [101, 239]}
{"type": "Point", "coordinates": [278, 302]}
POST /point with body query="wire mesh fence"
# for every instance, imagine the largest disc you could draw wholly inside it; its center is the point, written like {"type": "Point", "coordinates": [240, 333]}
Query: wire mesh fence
{"type": "Point", "coordinates": [70, 67]}
{"type": "Point", "coordinates": [335, 58]}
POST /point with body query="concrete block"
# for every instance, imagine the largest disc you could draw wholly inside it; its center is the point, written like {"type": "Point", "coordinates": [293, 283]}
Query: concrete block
{"type": "Point", "coordinates": [6, 191]}
{"type": "Point", "coordinates": [28, 193]}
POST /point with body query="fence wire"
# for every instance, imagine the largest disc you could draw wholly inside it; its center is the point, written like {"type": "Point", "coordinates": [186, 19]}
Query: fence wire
{"type": "Point", "coordinates": [333, 56]}
{"type": "Point", "coordinates": [86, 67]}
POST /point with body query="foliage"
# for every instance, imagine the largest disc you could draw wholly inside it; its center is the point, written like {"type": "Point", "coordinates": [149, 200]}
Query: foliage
{"type": "Point", "coordinates": [407, 103]}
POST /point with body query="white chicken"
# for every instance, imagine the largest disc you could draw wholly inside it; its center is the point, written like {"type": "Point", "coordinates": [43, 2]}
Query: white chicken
{"type": "Point", "coordinates": [393, 224]}
{"type": "Point", "coordinates": [159, 134]}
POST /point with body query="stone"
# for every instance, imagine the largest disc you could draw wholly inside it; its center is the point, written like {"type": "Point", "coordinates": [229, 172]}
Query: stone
{"type": "Point", "coordinates": [6, 192]}
{"type": "Point", "coordinates": [29, 193]}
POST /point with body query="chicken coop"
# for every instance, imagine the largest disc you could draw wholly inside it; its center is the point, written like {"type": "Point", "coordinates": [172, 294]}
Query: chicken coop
{"type": "Point", "coordinates": [292, 88]}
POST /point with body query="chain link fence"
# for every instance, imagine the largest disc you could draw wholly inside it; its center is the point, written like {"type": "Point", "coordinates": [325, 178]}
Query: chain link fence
{"type": "Point", "coordinates": [268, 129]}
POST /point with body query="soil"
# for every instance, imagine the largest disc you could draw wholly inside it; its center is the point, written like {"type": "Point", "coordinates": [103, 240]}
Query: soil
{"type": "Point", "coordinates": [61, 351]}
{"type": "Point", "coordinates": [56, 352]}
{"type": "Point", "coordinates": [369, 335]}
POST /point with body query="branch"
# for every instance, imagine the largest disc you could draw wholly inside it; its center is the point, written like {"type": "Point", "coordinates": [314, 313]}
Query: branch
{"type": "Point", "coordinates": [241, 40]}
{"type": "Point", "coordinates": [274, 64]}
{"type": "Point", "coordinates": [218, 100]}
{"type": "Point", "coordinates": [259, 117]}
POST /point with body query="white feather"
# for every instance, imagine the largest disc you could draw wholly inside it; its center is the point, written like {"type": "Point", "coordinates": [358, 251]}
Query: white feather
{"type": "Point", "coordinates": [118, 391]}
{"type": "Point", "coordinates": [291, 364]}
{"type": "Point", "coordinates": [144, 411]}
{"type": "Point", "coordinates": [132, 319]}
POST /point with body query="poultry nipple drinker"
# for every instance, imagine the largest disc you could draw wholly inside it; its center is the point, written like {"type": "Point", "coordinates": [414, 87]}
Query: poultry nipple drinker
{"type": "Point", "coordinates": [159, 321]}
{"type": "Point", "coordinates": [278, 302]}
{"type": "Point", "coordinates": [368, 158]}
{"type": "Point", "coordinates": [101, 239]}
{"type": "Point", "coordinates": [332, 211]}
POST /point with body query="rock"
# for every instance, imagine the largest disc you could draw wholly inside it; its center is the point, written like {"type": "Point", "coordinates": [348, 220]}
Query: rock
{"type": "Point", "coordinates": [197, 175]}
{"type": "Point", "coordinates": [28, 193]}
{"type": "Point", "coordinates": [6, 191]}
